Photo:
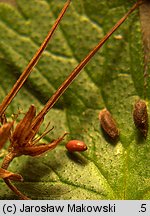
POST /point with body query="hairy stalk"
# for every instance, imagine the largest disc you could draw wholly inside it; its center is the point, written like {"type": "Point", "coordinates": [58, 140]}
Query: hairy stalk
{"type": "Point", "coordinates": [8, 158]}
{"type": "Point", "coordinates": [81, 65]}
{"type": "Point", "coordinates": [17, 86]}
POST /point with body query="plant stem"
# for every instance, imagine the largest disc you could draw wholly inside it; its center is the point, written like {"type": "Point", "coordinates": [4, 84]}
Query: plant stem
{"type": "Point", "coordinates": [8, 158]}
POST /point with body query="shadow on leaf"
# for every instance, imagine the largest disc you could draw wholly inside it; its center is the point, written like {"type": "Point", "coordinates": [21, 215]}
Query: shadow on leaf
{"type": "Point", "coordinates": [109, 139]}
{"type": "Point", "coordinates": [77, 158]}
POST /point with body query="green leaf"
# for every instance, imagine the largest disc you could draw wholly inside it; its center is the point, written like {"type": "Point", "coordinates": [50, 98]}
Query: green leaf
{"type": "Point", "coordinates": [113, 79]}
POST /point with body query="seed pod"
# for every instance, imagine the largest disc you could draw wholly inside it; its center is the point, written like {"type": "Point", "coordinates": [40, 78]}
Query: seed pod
{"type": "Point", "coordinates": [140, 117]}
{"type": "Point", "coordinates": [76, 145]}
{"type": "Point", "coordinates": [108, 124]}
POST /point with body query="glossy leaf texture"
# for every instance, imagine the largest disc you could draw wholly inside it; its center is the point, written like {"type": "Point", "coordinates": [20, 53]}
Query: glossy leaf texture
{"type": "Point", "coordinates": [113, 79]}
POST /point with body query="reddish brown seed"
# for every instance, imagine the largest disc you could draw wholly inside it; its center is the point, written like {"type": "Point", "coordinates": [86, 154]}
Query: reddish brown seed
{"type": "Point", "coordinates": [108, 124]}
{"type": "Point", "coordinates": [76, 145]}
{"type": "Point", "coordinates": [140, 117]}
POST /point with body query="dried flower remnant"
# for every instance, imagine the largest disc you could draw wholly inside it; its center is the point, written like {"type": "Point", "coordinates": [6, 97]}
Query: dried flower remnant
{"type": "Point", "coordinates": [23, 142]}
{"type": "Point", "coordinates": [108, 124]}
{"type": "Point", "coordinates": [140, 117]}
{"type": "Point", "coordinates": [23, 138]}
{"type": "Point", "coordinates": [5, 174]}
{"type": "Point", "coordinates": [76, 145]}
{"type": "Point", "coordinates": [4, 133]}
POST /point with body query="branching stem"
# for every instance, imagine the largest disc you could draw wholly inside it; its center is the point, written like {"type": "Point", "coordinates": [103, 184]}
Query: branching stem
{"type": "Point", "coordinates": [8, 158]}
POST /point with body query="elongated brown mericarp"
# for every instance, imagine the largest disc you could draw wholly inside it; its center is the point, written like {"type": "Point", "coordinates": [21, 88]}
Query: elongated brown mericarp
{"type": "Point", "coordinates": [108, 124]}
{"type": "Point", "coordinates": [140, 117]}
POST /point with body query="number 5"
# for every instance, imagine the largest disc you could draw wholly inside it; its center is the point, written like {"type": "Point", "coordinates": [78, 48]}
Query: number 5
{"type": "Point", "coordinates": [143, 207]}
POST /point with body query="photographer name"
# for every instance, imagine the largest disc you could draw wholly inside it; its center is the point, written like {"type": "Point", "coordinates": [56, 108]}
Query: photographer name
{"type": "Point", "coordinates": [68, 208]}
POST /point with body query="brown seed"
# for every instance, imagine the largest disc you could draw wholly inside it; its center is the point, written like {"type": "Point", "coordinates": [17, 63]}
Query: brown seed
{"type": "Point", "coordinates": [76, 145]}
{"type": "Point", "coordinates": [108, 124]}
{"type": "Point", "coordinates": [140, 117]}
